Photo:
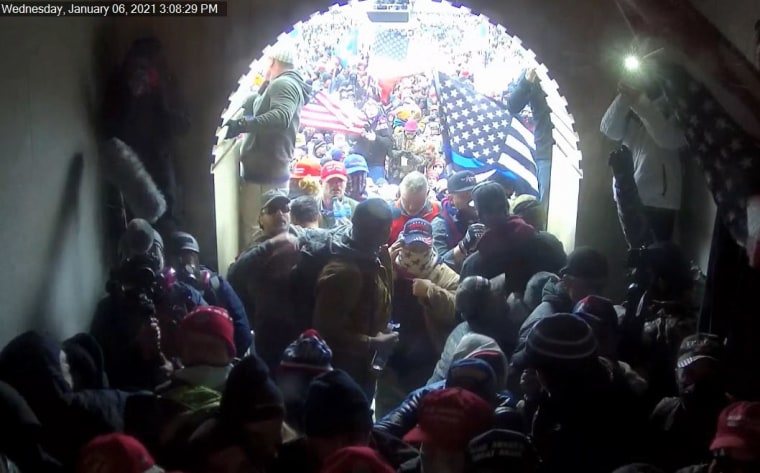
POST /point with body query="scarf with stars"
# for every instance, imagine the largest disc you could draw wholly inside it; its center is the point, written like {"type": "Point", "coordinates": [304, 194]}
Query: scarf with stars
{"type": "Point", "coordinates": [417, 265]}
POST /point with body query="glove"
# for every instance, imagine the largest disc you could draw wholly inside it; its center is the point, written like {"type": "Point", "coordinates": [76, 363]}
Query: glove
{"type": "Point", "coordinates": [621, 162]}
{"type": "Point", "coordinates": [235, 127]}
{"type": "Point", "coordinates": [471, 239]}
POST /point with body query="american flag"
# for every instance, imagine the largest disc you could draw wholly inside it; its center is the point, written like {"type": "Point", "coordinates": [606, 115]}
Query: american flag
{"type": "Point", "coordinates": [389, 54]}
{"type": "Point", "coordinates": [481, 135]}
{"type": "Point", "coordinates": [715, 94]}
{"type": "Point", "coordinates": [324, 112]}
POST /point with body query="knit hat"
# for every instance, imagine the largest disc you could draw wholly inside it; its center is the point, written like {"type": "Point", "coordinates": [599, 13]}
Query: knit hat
{"type": "Point", "coordinates": [283, 52]}
{"type": "Point", "coordinates": [490, 198]}
{"type": "Point", "coordinates": [138, 239]}
{"type": "Point", "coordinates": [699, 346]}
{"type": "Point", "coordinates": [309, 352]}
{"type": "Point", "coordinates": [586, 263]}
{"type": "Point", "coordinates": [475, 376]}
{"type": "Point", "coordinates": [411, 126]}
{"type": "Point", "coordinates": [250, 394]}
{"type": "Point", "coordinates": [333, 169]}
{"type": "Point", "coordinates": [306, 167]}
{"type": "Point", "coordinates": [561, 338]}
{"type": "Point", "coordinates": [336, 405]}
{"type": "Point", "coordinates": [116, 453]}
{"type": "Point", "coordinates": [355, 163]}
{"type": "Point", "coordinates": [498, 362]}
{"type": "Point", "coordinates": [356, 460]}
{"type": "Point", "coordinates": [597, 312]}
{"type": "Point", "coordinates": [739, 429]}
{"type": "Point", "coordinates": [450, 418]}
{"type": "Point", "coordinates": [501, 450]}
{"type": "Point", "coordinates": [211, 321]}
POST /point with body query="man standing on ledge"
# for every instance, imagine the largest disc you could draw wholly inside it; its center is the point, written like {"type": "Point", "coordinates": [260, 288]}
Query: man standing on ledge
{"type": "Point", "coordinates": [270, 121]}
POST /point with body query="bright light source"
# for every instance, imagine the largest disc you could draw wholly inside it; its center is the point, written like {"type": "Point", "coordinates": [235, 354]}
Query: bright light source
{"type": "Point", "coordinates": [632, 63]}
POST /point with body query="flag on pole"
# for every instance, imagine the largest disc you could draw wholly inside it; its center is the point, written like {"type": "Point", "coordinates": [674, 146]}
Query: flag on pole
{"type": "Point", "coordinates": [715, 93]}
{"type": "Point", "coordinates": [325, 113]}
{"type": "Point", "coordinates": [481, 135]}
{"type": "Point", "coordinates": [348, 48]}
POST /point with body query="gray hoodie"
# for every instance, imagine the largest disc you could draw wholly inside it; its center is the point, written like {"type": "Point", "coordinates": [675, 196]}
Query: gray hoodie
{"type": "Point", "coordinates": [268, 147]}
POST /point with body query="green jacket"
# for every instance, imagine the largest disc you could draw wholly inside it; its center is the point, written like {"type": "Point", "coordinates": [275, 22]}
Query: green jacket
{"type": "Point", "coordinates": [268, 145]}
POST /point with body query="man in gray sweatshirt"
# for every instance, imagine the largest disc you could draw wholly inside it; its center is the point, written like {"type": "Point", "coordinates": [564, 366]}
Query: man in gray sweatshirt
{"type": "Point", "coordinates": [270, 123]}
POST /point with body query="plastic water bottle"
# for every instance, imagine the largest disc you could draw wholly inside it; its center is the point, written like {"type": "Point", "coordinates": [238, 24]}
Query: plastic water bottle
{"type": "Point", "coordinates": [380, 359]}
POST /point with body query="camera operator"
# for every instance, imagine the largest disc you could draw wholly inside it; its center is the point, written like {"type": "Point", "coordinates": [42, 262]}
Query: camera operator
{"type": "Point", "coordinates": [135, 323]}
{"type": "Point", "coordinates": [184, 258]}
{"type": "Point", "coordinates": [659, 313]}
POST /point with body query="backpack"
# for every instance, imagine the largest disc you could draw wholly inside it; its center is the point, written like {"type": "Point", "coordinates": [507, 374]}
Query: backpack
{"type": "Point", "coordinates": [191, 406]}
{"type": "Point", "coordinates": [315, 253]}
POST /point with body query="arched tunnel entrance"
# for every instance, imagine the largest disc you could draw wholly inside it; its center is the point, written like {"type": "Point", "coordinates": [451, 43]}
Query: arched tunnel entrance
{"type": "Point", "coordinates": [496, 58]}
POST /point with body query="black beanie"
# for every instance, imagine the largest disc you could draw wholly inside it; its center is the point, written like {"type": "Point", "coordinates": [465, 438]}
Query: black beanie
{"type": "Point", "coordinates": [336, 405]}
{"type": "Point", "coordinates": [250, 394]}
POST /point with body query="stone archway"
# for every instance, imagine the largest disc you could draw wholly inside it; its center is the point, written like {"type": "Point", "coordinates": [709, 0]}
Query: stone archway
{"type": "Point", "coordinates": [566, 170]}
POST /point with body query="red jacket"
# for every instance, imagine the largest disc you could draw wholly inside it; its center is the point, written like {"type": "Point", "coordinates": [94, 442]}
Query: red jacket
{"type": "Point", "coordinates": [429, 212]}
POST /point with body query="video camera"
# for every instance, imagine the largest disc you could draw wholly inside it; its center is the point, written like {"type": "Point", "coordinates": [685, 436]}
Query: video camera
{"type": "Point", "coordinates": [139, 280]}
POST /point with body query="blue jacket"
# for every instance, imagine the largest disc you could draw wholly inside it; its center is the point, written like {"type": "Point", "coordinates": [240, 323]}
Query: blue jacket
{"type": "Point", "coordinates": [402, 419]}
{"type": "Point", "coordinates": [221, 294]}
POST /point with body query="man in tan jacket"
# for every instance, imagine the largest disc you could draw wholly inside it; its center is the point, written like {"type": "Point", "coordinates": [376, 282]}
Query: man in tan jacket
{"type": "Point", "coordinates": [353, 294]}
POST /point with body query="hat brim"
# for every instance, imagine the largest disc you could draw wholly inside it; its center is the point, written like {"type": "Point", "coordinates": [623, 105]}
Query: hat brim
{"type": "Point", "coordinates": [730, 441]}
{"type": "Point", "coordinates": [686, 361]}
{"type": "Point", "coordinates": [280, 198]}
{"type": "Point", "coordinates": [335, 176]}
{"type": "Point", "coordinates": [462, 190]}
{"type": "Point", "coordinates": [418, 238]}
{"type": "Point", "coordinates": [189, 247]}
{"type": "Point", "coordinates": [357, 169]}
{"type": "Point", "coordinates": [417, 435]}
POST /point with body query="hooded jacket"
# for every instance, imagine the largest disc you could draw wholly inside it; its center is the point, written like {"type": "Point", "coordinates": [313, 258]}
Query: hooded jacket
{"type": "Point", "coordinates": [31, 364]}
{"type": "Point", "coordinates": [267, 149]}
{"type": "Point", "coordinates": [402, 419]}
{"type": "Point", "coordinates": [353, 303]}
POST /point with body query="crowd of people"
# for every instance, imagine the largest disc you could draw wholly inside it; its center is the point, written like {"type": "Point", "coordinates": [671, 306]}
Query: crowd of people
{"type": "Point", "coordinates": [380, 321]}
{"type": "Point", "coordinates": [411, 335]}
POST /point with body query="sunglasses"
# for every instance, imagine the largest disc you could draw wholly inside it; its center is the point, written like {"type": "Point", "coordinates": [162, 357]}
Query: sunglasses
{"type": "Point", "coordinates": [273, 209]}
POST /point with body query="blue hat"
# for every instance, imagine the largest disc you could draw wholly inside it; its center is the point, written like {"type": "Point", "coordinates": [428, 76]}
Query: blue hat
{"type": "Point", "coordinates": [355, 163]}
{"type": "Point", "coordinates": [337, 154]}
{"type": "Point", "coordinates": [474, 375]}
{"type": "Point", "coordinates": [418, 230]}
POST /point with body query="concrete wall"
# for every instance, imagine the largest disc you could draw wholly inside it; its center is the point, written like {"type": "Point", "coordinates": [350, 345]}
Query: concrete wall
{"type": "Point", "coordinates": [50, 238]}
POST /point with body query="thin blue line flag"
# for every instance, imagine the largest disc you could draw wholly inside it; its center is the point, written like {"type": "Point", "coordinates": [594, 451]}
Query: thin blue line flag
{"type": "Point", "coordinates": [480, 135]}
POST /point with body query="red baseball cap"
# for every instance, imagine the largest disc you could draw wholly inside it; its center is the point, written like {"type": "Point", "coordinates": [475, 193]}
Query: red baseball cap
{"type": "Point", "coordinates": [333, 169]}
{"type": "Point", "coordinates": [356, 459]}
{"type": "Point", "coordinates": [739, 428]}
{"type": "Point", "coordinates": [210, 320]}
{"type": "Point", "coordinates": [450, 418]}
{"type": "Point", "coordinates": [116, 453]}
{"type": "Point", "coordinates": [306, 167]}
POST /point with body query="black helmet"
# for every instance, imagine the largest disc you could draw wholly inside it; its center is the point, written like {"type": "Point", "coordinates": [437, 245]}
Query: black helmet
{"type": "Point", "coordinates": [472, 295]}
{"type": "Point", "coordinates": [181, 241]}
